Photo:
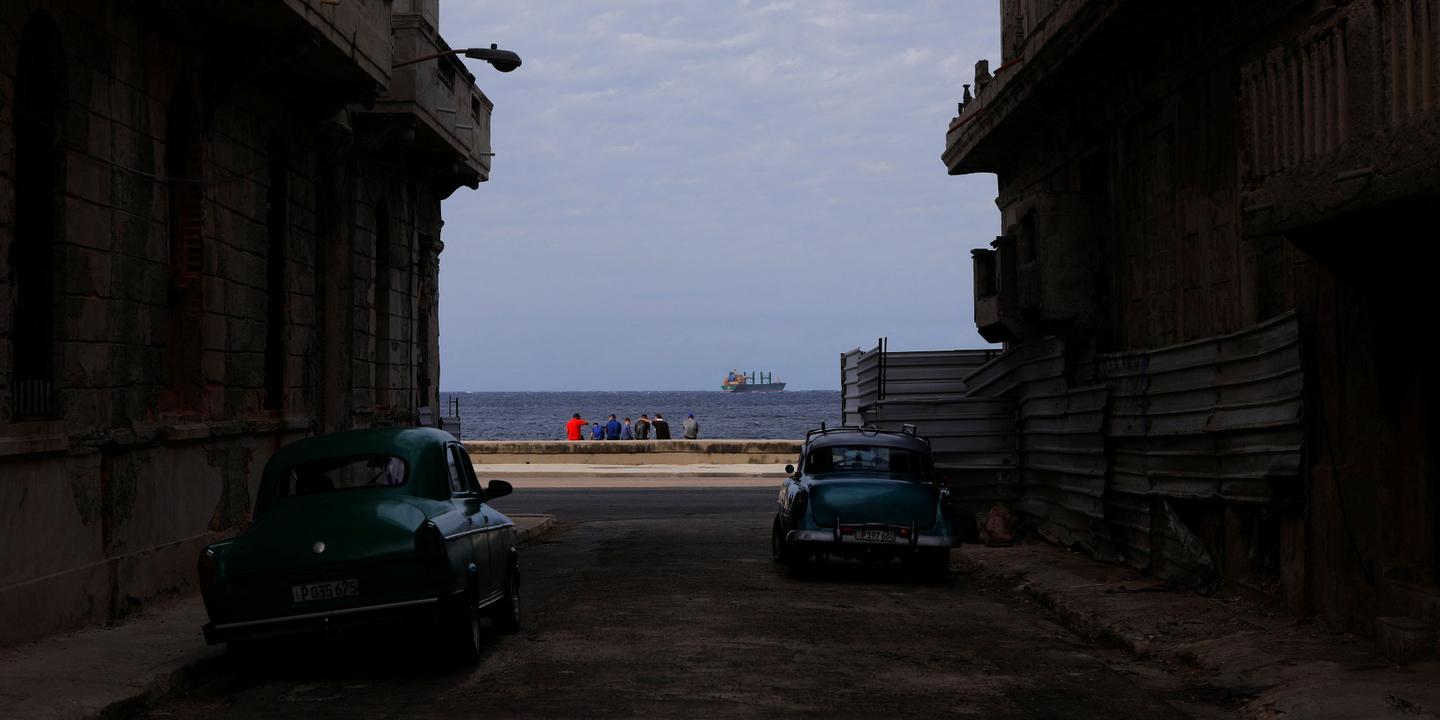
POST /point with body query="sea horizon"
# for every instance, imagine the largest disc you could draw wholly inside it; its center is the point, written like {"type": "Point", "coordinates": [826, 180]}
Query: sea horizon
{"type": "Point", "coordinates": [541, 414]}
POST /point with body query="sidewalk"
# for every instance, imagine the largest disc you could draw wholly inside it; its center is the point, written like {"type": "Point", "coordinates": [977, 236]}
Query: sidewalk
{"type": "Point", "coordinates": [120, 670]}
{"type": "Point", "coordinates": [1274, 664]}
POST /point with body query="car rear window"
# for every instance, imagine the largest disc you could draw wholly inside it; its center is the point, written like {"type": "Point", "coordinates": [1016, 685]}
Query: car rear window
{"type": "Point", "coordinates": [346, 473]}
{"type": "Point", "coordinates": [866, 458]}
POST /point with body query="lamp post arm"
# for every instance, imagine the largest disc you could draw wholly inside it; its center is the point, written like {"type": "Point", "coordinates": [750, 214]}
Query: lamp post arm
{"type": "Point", "coordinates": [423, 58]}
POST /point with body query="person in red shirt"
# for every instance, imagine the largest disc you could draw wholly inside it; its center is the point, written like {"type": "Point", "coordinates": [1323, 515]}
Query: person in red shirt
{"type": "Point", "coordinates": [574, 427]}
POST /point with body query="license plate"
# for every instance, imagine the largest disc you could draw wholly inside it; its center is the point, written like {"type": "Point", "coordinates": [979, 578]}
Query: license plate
{"type": "Point", "coordinates": [875, 535]}
{"type": "Point", "coordinates": [325, 590]}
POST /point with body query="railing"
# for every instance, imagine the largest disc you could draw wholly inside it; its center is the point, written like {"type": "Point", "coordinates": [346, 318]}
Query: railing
{"type": "Point", "coordinates": [1296, 101]}
{"type": "Point", "coordinates": [33, 399]}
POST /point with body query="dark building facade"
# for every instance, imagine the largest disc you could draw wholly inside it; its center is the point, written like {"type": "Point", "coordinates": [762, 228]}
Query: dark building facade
{"type": "Point", "coordinates": [1199, 278]}
{"type": "Point", "coordinates": [219, 231]}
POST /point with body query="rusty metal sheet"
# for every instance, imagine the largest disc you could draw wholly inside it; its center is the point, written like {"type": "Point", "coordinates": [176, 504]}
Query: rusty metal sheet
{"type": "Point", "coordinates": [1064, 465]}
{"type": "Point", "coordinates": [973, 440]}
{"type": "Point", "coordinates": [1217, 418]}
{"type": "Point", "coordinates": [1018, 367]}
{"type": "Point", "coordinates": [850, 401]}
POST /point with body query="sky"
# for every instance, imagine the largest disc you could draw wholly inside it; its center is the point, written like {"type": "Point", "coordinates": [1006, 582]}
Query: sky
{"type": "Point", "coordinates": [684, 188]}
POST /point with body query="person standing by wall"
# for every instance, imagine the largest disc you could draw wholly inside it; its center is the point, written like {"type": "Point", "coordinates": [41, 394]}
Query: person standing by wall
{"type": "Point", "coordinates": [662, 428]}
{"type": "Point", "coordinates": [642, 427]}
{"type": "Point", "coordinates": [597, 431]}
{"type": "Point", "coordinates": [612, 428]}
{"type": "Point", "coordinates": [575, 428]}
{"type": "Point", "coordinates": [626, 431]}
{"type": "Point", "coordinates": [692, 428]}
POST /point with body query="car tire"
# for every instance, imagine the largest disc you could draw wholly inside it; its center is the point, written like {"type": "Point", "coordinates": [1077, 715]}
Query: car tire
{"type": "Point", "coordinates": [778, 550]}
{"type": "Point", "coordinates": [463, 629]}
{"type": "Point", "coordinates": [505, 614]}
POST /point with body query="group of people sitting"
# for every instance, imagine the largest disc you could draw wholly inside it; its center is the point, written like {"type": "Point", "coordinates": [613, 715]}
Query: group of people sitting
{"type": "Point", "coordinates": [613, 429]}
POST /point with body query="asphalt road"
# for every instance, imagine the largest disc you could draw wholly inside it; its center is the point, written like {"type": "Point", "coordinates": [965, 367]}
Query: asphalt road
{"type": "Point", "coordinates": [664, 603]}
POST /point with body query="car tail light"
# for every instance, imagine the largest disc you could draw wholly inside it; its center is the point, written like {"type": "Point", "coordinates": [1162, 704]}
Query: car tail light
{"type": "Point", "coordinates": [904, 532]}
{"type": "Point", "coordinates": [209, 569]}
{"type": "Point", "coordinates": [847, 531]}
{"type": "Point", "coordinates": [429, 543]}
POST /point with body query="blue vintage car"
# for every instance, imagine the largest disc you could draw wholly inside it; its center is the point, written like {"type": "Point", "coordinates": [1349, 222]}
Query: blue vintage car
{"type": "Point", "coordinates": [867, 494]}
{"type": "Point", "coordinates": [362, 526]}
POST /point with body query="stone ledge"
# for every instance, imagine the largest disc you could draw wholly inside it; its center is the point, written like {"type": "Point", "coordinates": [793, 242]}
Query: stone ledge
{"type": "Point", "coordinates": [562, 447]}
{"type": "Point", "coordinates": [633, 452]}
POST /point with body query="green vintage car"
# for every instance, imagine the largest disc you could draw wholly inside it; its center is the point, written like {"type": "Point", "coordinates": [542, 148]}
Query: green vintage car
{"type": "Point", "coordinates": [365, 525]}
{"type": "Point", "coordinates": [866, 494]}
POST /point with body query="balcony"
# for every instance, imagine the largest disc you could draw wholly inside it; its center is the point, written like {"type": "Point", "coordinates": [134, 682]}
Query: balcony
{"type": "Point", "coordinates": [1333, 119]}
{"type": "Point", "coordinates": [338, 50]}
{"type": "Point", "coordinates": [1036, 35]}
{"type": "Point", "coordinates": [997, 311]}
{"type": "Point", "coordinates": [439, 101]}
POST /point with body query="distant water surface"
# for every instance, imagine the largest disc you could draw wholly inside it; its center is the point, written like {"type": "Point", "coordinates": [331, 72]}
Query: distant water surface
{"type": "Point", "coordinates": [542, 415]}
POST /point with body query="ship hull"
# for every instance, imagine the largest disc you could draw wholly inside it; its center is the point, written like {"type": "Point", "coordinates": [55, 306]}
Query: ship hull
{"type": "Point", "coordinates": [753, 387]}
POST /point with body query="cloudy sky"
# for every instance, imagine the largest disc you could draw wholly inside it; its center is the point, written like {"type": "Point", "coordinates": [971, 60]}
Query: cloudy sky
{"type": "Point", "coordinates": [682, 188]}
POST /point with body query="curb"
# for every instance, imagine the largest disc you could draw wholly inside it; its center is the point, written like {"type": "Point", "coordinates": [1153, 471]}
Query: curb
{"type": "Point", "coordinates": [176, 677]}
{"type": "Point", "coordinates": [1076, 616]}
{"type": "Point", "coordinates": [1085, 621]}
{"type": "Point", "coordinates": [532, 534]}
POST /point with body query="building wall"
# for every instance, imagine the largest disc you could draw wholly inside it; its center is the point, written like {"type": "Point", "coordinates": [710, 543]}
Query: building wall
{"type": "Point", "coordinates": [1182, 173]}
{"type": "Point", "coordinates": [160, 426]}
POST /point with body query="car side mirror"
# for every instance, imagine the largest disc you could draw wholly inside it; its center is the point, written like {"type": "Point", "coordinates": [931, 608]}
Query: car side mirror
{"type": "Point", "coordinates": [497, 489]}
{"type": "Point", "coordinates": [789, 469]}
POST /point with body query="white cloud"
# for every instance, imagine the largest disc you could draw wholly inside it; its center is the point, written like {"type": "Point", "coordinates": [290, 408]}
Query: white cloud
{"type": "Point", "coordinates": [647, 147]}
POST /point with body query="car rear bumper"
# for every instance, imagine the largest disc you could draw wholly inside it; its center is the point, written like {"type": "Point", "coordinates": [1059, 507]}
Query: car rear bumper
{"type": "Point", "coordinates": [833, 538]}
{"type": "Point", "coordinates": [306, 623]}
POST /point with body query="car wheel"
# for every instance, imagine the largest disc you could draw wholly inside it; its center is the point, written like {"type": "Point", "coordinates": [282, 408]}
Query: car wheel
{"type": "Point", "coordinates": [505, 615]}
{"type": "Point", "coordinates": [778, 551]}
{"type": "Point", "coordinates": [464, 630]}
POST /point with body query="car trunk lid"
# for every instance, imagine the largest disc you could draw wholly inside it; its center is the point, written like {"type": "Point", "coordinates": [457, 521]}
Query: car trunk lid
{"type": "Point", "coordinates": [325, 529]}
{"type": "Point", "coordinates": [872, 500]}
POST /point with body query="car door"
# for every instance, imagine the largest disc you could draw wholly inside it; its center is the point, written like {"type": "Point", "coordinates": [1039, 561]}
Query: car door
{"type": "Point", "coordinates": [467, 499]}
{"type": "Point", "coordinates": [483, 536]}
{"type": "Point", "coordinates": [497, 528]}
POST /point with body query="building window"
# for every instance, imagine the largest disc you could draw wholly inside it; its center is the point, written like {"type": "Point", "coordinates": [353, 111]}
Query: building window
{"type": "Point", "coordinates": [277, 220]}
{"type": "Point", "coordinates": [383, 321]}
{"type": "Point", "coordinates": [39, 181]}
{"type": "Point", "coordinates": [184, 301]}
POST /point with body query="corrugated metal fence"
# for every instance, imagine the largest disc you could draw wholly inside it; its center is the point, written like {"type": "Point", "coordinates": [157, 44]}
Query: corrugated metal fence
{"type": "Point", "coordinates": [1100, 462]}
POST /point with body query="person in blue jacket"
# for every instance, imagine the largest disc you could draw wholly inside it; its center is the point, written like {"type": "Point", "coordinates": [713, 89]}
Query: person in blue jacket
{"type": "Point", "coordinates": [612, 428]}
{"type": "Point", "coordinates": [597, 431]}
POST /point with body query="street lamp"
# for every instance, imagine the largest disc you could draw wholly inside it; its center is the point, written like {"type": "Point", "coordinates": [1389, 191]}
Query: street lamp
{"type": "Point", "coordinates": [502, 60]}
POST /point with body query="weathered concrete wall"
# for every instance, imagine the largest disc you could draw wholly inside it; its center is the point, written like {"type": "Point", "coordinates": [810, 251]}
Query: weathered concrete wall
{"type": "Point", "coordinates": [634, 452]}
{"type": "Point", "coordinates": [159, 427]}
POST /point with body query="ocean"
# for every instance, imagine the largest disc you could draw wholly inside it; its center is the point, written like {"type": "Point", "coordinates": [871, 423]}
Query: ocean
{"type": "Point", "coordinates": [542, 415]}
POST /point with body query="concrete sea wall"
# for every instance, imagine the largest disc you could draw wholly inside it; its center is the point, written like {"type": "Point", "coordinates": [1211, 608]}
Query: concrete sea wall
{"type": "Point", "coordinates": [633, 452]}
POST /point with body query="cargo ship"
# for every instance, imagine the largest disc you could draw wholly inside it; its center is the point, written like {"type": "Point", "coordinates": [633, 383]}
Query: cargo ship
{"type": "Point", "coordinates": [751, 382]}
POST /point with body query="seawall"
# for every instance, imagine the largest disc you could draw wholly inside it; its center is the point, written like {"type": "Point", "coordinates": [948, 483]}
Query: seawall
{"type": "Point", "coordinates": [633, 452]}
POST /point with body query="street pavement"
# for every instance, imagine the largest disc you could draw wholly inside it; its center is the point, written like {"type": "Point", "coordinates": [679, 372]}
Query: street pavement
{"type": "Point", "coordinates": [663, 602]}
